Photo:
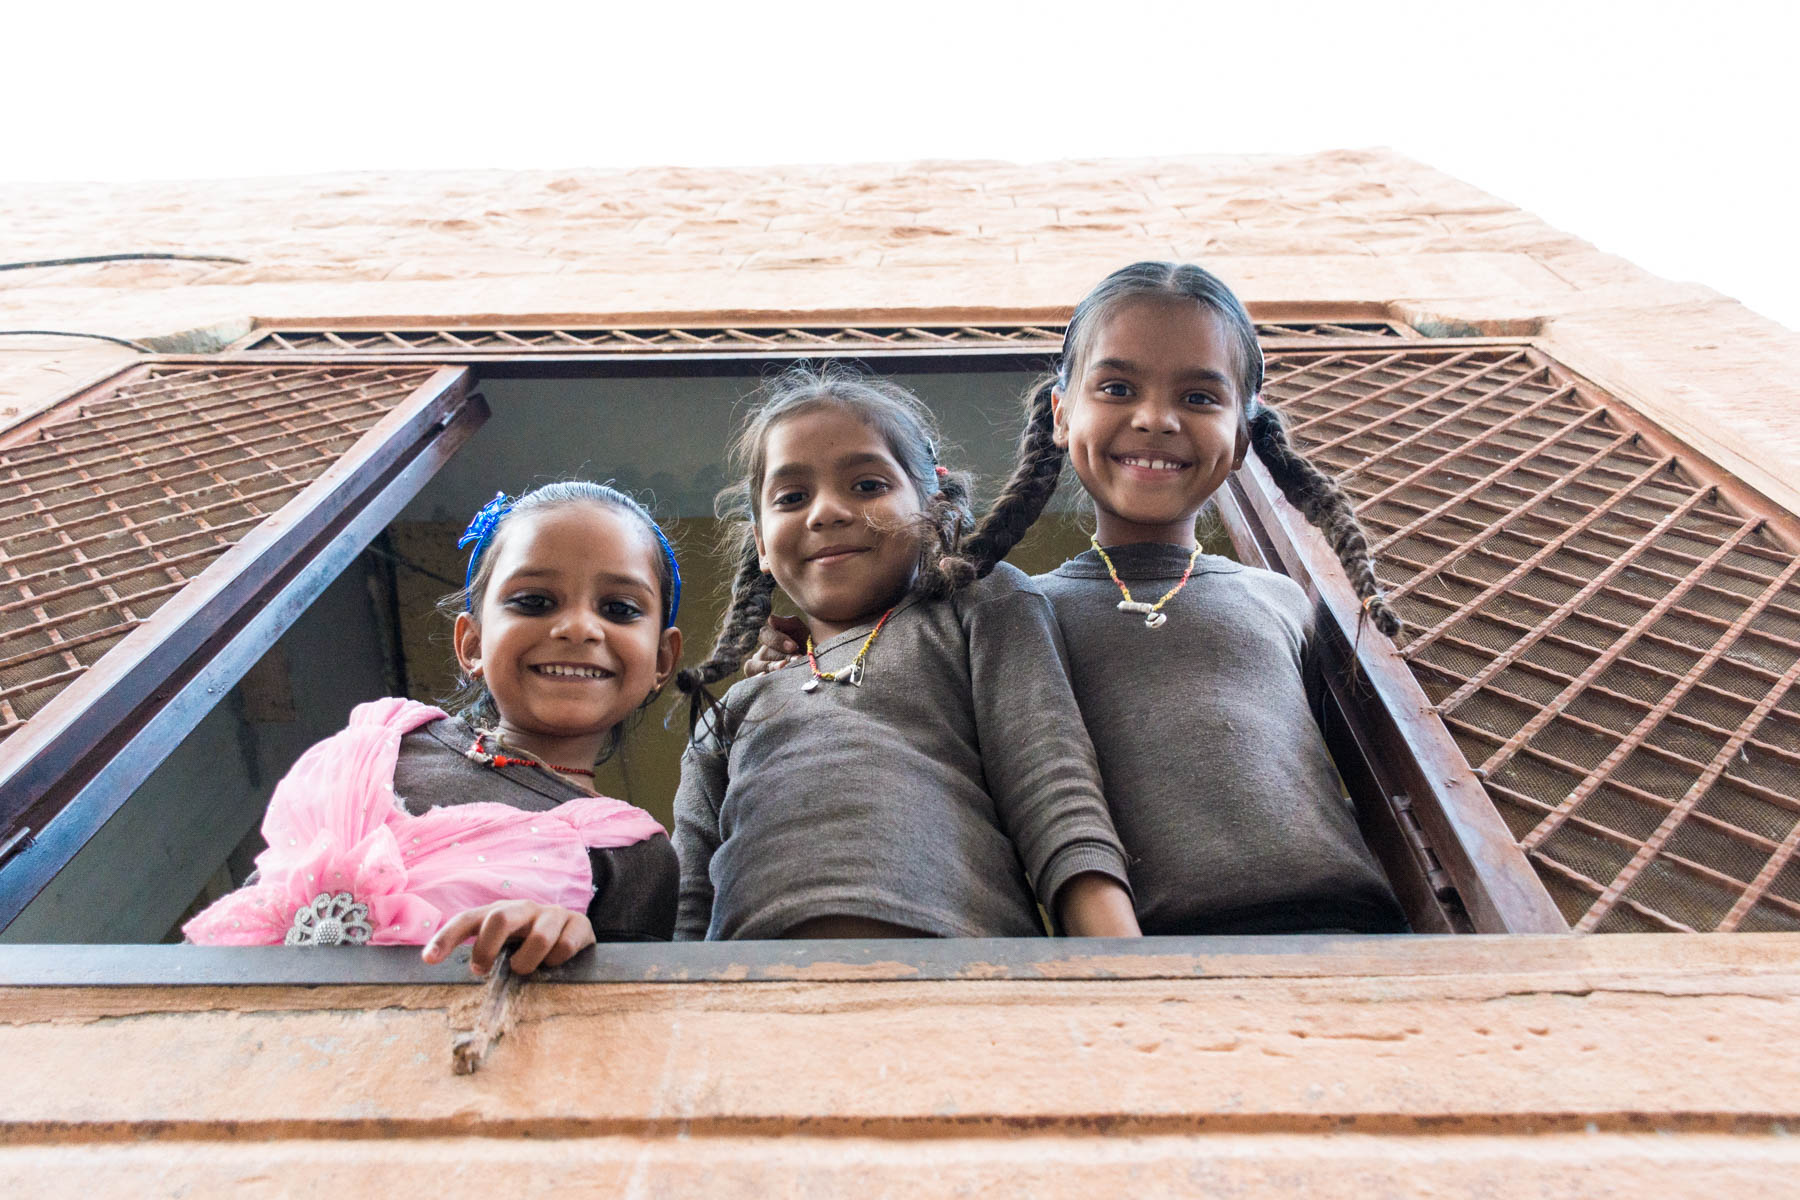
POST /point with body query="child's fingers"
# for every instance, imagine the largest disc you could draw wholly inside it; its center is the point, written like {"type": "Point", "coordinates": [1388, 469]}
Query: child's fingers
{"type": "Point", "coordinates": [790, 632]}
{"type": "Point", "coordinates": [577, 935]}
{"type": "Point", "coordinates": [776, 643]}
{"type": "Point", "coordinates": [764, 660]}
{"type": "Point", "coordinates": [540, 938]}
{"type": "Point", "coordinates": [500, 924]}
{"type": "Point", "coordinates": [453, 933]}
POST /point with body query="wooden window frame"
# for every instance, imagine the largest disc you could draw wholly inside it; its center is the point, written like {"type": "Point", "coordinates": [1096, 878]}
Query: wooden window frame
{"type": "Point", "coordinates": [1424, 813]}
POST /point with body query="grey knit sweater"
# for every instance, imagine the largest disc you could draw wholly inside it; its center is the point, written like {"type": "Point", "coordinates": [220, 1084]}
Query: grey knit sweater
{"type": "Point", "coordinates": [1220, 784]}
{"type": "Point", "coordinates": [949, 793]}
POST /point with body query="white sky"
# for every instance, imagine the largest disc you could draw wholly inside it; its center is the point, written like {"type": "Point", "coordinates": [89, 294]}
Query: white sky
{"type": "Point", "coordinates": [1662, 132]}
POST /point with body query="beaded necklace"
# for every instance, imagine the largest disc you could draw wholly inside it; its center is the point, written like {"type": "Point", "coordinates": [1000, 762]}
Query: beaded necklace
{"type": "Point", "coordinates": [496, 759]}
{"type": "Point", "coordinates": [852, 674]}
{"type": "Point", "coordinates": [1154, 617]}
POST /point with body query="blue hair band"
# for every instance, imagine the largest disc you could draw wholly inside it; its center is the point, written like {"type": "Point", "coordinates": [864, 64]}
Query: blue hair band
{"type": "Point", "coordinates": [480, 532]}
{"type": "Point", "coordinates": [674, 574]}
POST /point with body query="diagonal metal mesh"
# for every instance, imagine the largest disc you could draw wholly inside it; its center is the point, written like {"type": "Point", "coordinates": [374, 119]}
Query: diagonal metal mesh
{"type": "Point", "coordinates": [1613, 646]}
{"type": "Point", "coordinates": [1331, 329]}
{"type": "Point", "coordinates": [118, 500]}
{"type": "Point", "coordinates": [729, 340]}
{"type": "Point", "coordinates": [313, 342]}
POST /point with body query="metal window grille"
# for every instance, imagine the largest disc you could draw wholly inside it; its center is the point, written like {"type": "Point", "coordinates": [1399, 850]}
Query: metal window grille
{"type": "Point", "coordinates": [456, 341]}
{"type": "Point", "coordinates": [112, 503]}
{"type": "Point", "coordinates": [1609, 632]}
{"type": "Point", "coordinates": [1333, 329]}
{"type": "Point", "coordinates": [719, 339]}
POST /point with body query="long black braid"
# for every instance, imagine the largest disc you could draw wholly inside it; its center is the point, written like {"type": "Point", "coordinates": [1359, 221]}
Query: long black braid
{"type": "Point", "coordinates": [1324, 504]}
{"type": "Point", "coordinates": [1028, 490]}
{"type": "Point", "coordinates": [752, 599]}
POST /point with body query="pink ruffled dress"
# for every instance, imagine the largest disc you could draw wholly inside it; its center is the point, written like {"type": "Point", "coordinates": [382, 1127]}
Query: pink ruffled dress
{"type": "Point", "coordinates": [347, 863]}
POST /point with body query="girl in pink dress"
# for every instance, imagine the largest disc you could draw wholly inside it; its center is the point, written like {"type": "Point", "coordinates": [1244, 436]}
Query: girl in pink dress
{"type": "Point", "coordinates": [414, 827]}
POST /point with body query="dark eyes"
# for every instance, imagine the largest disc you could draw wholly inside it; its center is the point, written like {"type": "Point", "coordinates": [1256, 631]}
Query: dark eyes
{"type": "Point", "coordinates": [1118, 389]}
{"type": "Point", "coordinates": [793, 498]}
{"type": "Point", "coordinates": [536, 604]}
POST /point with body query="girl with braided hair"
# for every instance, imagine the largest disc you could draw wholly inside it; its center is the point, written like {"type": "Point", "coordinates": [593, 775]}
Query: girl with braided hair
{"type": "Point", "coordinates": [1197, 677]}
{"type": "Point", "coordinates": [922, 771]}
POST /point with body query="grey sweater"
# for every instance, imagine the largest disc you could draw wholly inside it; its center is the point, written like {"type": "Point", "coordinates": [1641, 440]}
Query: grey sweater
{"type": "Point", "coordinates": [949, 793]}
{"type": "Point", "coordinates": [635, 886]}
{"type": "Point", "coordinates": [1223, 792]}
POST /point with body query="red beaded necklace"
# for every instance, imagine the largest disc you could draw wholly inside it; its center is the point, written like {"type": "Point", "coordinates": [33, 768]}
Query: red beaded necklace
{"type": "Point", "coordinates": [489, 758]}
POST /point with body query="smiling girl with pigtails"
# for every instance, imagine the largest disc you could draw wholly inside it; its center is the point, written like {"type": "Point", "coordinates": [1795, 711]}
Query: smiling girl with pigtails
{"type": "Point", "coordinates": [1198, 678]}
{"type": "Point", "coordinates": [415, 827]}
{"type": "Point", "coordinates": [922, 770]}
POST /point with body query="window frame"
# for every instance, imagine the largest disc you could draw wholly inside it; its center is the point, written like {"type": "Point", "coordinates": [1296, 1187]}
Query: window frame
{"type": "Point", "coordinates": [1425, 814]}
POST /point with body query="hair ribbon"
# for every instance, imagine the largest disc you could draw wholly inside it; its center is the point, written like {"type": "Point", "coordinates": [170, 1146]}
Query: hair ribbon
{"type": "Point", "coordinates": [480, 531]}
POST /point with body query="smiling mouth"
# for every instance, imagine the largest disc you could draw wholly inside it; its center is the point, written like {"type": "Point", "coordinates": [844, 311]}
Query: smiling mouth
{"type": "Point", "coordinates": [832, 554]}
{"type": "Point", "coordinates": [1150, 462]}
{"type": "Point", "coordinates": [571, 671]}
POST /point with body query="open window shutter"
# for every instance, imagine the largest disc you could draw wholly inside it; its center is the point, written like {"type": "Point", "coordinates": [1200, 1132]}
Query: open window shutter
{"type": "Point", "coordinates": [165, 526]}
{"type": "Point", "coordinates": [1604, 633]}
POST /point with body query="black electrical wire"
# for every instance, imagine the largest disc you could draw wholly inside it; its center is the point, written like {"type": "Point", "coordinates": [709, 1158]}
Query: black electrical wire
{"type": "Point", "coordinates": [103, 337]}
{"type": "Point", "coordinates": [102, 258]}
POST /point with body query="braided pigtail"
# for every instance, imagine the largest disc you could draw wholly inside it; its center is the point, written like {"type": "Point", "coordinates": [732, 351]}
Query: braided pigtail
{"type": "Point", "coordinates": [1325, 505]}
{"type": "Point", "coordinates": [943, 567]}
{"type": "Point", "coordinates": [1027, 492]}
{"type": "Point", "coordinates": [752, 593]}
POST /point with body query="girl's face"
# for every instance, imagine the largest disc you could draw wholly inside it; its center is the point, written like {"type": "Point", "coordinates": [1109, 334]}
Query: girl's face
{"type": "Point", "coordinates": [1152, 420]}
{"type": "Point", "coordinates": [832, 519]}
{"type": "Point", "coordinates": [568, 637]}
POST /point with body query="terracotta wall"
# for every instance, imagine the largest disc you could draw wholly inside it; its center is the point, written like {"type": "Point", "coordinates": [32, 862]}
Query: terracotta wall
{"type": "Point", "coordinates": [1631, 1065]}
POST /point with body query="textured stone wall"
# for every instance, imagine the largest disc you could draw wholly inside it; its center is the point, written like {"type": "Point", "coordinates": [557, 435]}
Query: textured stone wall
{"type": "Point", "coordinates": [942, 237]}
{"type": "Point", "coordinates": [1632, 1065]}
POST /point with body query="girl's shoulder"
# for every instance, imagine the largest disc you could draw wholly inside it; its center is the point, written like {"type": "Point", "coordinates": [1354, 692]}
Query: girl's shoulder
{"type": "Point", "coordinates": [1003, 580]}
{"type": "Point", "coordinates": [1273, 588]}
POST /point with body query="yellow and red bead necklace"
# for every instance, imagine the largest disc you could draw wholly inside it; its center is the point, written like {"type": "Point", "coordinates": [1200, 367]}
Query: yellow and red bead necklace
{"type": "Point", "coordinates": [852, 674]}
{"type": "Point", "coordinates": [1154, 616]}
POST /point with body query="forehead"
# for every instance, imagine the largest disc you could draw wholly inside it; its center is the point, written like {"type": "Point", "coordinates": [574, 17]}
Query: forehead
{"type": "Point", "coordinates": [1166, 336]}
{"type": "Point", "coordinates": [818, 438]}
{"type": "Point", "coordinates": [577, 539]}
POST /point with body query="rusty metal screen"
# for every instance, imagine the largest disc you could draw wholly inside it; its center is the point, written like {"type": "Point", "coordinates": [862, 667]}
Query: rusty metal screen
{"type": "Point", "coordinates": [718, 339]}
{"type": "Point", "coordinates": [1610, 641]}
{"type": "Point", "coordinates": [443, 341]}
{"type": "Point", "coordinates": [1333, 329]}
{"type": "Point", "coordinates": [114, 501]}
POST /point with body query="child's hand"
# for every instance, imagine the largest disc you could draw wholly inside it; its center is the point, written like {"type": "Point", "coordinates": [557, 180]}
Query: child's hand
{"type": "Point", "coordinates": [1096, 905]}
{"type": "Point", "coordinates": [551, 935]}
{"type": "Point", "coordinates": [782, 642]}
